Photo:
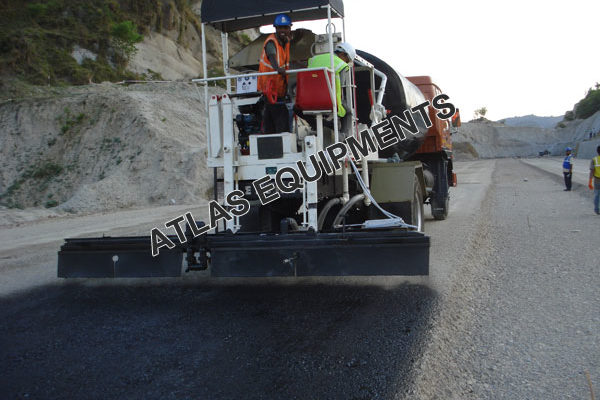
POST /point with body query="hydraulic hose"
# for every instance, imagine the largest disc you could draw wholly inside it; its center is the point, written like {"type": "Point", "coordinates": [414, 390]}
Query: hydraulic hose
{"type": "Point", "coordinates": [325, 211]}
{"type": "Point", "coordinates": [355, 199]}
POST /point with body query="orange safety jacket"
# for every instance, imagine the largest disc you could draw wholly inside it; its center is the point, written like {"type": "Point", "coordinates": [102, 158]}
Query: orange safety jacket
{"type": "Point", "coordinates": [283, 59]}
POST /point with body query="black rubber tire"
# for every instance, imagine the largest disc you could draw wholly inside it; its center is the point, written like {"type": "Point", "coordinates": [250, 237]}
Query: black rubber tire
{"type": "Point", "coordinates": [417, 209]}
{"type": "Point", "coordinates": [442, 208]}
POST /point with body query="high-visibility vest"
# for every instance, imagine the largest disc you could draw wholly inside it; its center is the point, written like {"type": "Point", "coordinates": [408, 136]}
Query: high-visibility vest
{"type": "Point", "coordinates": [596, 166]}
{"type": "Point", "coordinates": [567, 163]}
{"type": "Point", "coordinates": [324, 60]}
{"type": "Point", "coordinates": [283, 60]}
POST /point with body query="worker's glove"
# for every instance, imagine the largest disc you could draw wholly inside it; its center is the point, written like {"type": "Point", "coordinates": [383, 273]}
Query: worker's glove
{"type": "Point", "coordinates": [591, 184]}
{"type": "Point", "coordinates": [281, 71]}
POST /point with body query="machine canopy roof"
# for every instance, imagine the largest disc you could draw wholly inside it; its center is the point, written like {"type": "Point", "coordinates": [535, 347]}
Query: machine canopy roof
{"type": "Point", "coordinates": [235, 15]}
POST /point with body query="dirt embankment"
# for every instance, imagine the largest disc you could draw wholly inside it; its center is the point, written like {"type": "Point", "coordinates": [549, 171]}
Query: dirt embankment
{"type": "Point", "coordinates": [491, 139]}
{"type": "Point", "coordinates": [104, 147]}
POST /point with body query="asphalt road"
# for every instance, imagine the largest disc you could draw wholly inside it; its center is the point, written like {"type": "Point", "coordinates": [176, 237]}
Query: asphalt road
{"type": "Point", "coordinates": [510, 311]}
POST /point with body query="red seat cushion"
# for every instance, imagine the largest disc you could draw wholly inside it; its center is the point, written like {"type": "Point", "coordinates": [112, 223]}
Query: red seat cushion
{"type": "Point", "coordinates": [312, 93]}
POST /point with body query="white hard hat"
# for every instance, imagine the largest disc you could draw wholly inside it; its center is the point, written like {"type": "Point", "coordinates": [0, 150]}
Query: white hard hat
{"type": "Point", "coordinates": [346, 48]}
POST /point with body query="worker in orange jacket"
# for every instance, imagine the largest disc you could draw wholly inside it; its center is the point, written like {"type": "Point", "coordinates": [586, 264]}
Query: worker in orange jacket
{"type": "Point", "coordinates": [276, 57]}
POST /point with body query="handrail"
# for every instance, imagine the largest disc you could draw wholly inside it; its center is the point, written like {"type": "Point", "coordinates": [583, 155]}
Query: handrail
{"type": "Point", "coordinates": [291, 71]}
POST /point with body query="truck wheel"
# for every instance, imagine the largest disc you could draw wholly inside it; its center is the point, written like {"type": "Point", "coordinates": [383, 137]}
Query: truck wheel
{"type": "Point", "coordinates": [417, 213]}
{"type": "Point", "coordinates": [439, 209]}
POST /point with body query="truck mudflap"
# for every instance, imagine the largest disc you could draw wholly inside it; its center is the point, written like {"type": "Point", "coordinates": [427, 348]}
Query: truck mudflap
{"type": "Point", "coordinates": [351, 253]}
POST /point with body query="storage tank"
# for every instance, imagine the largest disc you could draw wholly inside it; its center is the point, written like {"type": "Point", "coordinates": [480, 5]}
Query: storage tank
{"type": "Point", "coordinates": [400, 95]}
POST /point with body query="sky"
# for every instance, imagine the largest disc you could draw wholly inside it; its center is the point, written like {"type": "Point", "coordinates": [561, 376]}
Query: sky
{"type": "Point", "coordinates": [512, 57]}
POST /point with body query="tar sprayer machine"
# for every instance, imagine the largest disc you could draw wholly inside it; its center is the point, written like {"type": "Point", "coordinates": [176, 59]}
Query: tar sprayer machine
{"type": "Point", "coordinates": [338, 197]}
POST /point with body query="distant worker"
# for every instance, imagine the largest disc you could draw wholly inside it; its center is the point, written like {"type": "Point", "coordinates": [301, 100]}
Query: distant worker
{"type": "Point", "coordinates": [456, 119]}
{"type": "Point", "coordinates": [276, 57]}
{"type": "Point", "coordinates": [594, 183]}
{"type": "Point", "coordinates": [344, 55]}
{"type": "Point", "coordinates": [568, 169]}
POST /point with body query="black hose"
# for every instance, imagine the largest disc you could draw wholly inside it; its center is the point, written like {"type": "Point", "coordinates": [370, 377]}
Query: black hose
{"type": "Point", "coordinates": [355, 199]}
{"type": "Point", "coordinates": [325, 211]}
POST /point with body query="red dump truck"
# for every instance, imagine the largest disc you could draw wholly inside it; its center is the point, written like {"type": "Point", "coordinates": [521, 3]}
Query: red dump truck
{"type": "Point", "coordinates": [436, 151]}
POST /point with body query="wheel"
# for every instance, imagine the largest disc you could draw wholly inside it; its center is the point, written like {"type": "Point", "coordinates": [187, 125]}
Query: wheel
{"type": "Point", "coordinates": [439, 209]}
{"type": "Point", "coordinates": [417, 213]}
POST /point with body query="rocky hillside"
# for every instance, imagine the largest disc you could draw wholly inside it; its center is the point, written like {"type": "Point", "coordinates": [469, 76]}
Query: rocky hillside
{"type": "Point", "coordinates": [532, 121]}
{"type": "Point", "coordinates": [58, 42]}
{"type": "Point", "coordinates": [488, 139]}
{"type": "Point", "coordinates": [103, 147]}
{"type": "Point", "coordinates": [177, 54]}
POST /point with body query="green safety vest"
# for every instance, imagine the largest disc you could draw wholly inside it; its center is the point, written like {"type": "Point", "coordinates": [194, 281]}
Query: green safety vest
{"type": "Point", "coordinates": [324, 60]}
{"type": "Point", "coordinates": [596, 166]}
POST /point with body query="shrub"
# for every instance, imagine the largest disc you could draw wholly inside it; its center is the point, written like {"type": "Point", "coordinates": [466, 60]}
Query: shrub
{"type": "Point", "coordinates": [51, 203]}
{"type": "Point", "coordinates": [125, 37]}
{"type": "Point", "coordinates": [12, 188]}
{"type": "Point", "coordinates": [70, 121]}
{"type": "Point", "coordinates": [589, 105]}
{"type": "Point", "coordinates": [153, 76]}
{"type": "Point", "coordinates": [244, 39]}
{"type": "Point", "coordinates": [47, 171]}
{"type": "Point", "coordinates": [37, 9]}
{"type": "Point", "coordinates": [126, 31]}
{"type": "Point", "coordinates": [217, 71]}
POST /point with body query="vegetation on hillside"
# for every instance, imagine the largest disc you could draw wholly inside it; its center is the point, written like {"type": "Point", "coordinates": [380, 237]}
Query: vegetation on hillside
{"type": "Point", "coordinates": [589, 104]}
{"type": "Point", "coordinates": [37, 37]}
{"type": "Point", "coordinates": [480, 113]}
